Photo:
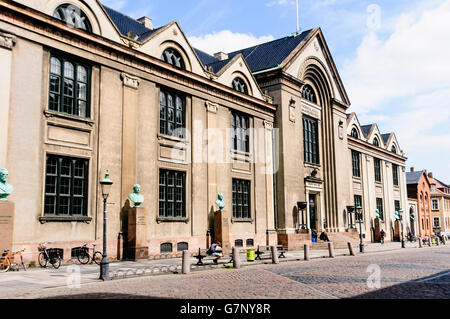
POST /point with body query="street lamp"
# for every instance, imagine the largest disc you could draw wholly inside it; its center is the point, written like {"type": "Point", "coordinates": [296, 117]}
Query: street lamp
{"type": "Point", "coordinates": [301, 208]}
{"type": "Point", "coordinates": [106, 184]}
{"type": "Point", "coordinates": [359, 219]}
{"type": "Point", "coordinates": [350, 210]}
{"type": "Point", "coordinates": [400, 214]}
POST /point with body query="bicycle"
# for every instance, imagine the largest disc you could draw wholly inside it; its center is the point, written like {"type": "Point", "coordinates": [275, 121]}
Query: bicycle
{"type": "Point", "coordinates": [9, 260]}
{"type": "Point", "coordinates": [48, 256]}
{"type": "Point", "coordinates": [84, 257]}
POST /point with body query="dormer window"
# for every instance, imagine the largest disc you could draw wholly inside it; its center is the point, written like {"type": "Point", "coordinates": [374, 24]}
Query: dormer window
{"type": "Point", "coordinates": [354, 133]}
{"type": "Point", "coordinates": [376, 142]}
{"type": "Point", "coordinates": [239, 85]}
{"type": "Point", "coordinates": [173, 57]}
{"type": "Point", "coordinates": [73, 17]}
{"type": "Point", "coordinates": [309, 94]}
{"type": "Point", "coordinates": [394, 149]}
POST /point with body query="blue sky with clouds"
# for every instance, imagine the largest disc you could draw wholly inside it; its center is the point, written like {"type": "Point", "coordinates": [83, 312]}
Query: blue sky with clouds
{"type": "Point", "coordinates": [392, 55]}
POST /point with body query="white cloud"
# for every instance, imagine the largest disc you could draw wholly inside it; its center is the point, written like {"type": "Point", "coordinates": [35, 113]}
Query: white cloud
{"type": "Point", "coordinates": [115, 4]}
{"type": "Point", "coordinates": [402, 82]}
{"type": "Point", "coordinates": [280, 3]}
{"type": "Point", "coordinates": [414, 59]}
{"type": "Point", "coordinates": [226, 41]}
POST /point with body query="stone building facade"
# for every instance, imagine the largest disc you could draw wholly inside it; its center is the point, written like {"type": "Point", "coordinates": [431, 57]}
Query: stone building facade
{"type": "Point", "coordinates": [89, 90]}
{"type": "Point", "coordinates": [86, 89]}
{"type": "Point", "coordinates": [377, 179]}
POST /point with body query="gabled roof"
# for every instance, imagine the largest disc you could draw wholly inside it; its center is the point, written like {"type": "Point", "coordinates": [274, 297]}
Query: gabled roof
{"type": "Point", "coordinates": [204, 57]}
{"type": "Point", "coordinates": [385, 137]}
{"type": "Point", "coordinates": [126, 24]}
{"type": "Point", "coordinates": [266, 55]}
{"type": "Point", "coordinates": [366, 129]}
{"type": "Point", "coordinates": [413, 177]}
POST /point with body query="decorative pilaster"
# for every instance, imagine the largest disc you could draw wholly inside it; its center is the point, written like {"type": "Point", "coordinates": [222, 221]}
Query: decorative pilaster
{"type": "Point", "coordinates": [129, 133]}
{"type": "Point", "coordinates": [270, 217]}
{"type": "Point", "coordinates": [7, 42]}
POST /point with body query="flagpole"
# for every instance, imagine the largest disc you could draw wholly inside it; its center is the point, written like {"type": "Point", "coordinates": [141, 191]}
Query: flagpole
{"type": "Point", "coordinates": [298, 27]}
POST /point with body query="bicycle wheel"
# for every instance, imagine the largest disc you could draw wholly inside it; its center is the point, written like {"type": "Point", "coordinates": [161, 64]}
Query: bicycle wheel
{"type": "Point", "coordinates": [98, 257]}
{"type": "Point", "coordinates": [83, 257]}
{"type": "Point", "coordinates": [42, 260]}
{"type": "Point", "coordinates": [56, 262]}
{"type": "Point", "coordinates": [6, 265]}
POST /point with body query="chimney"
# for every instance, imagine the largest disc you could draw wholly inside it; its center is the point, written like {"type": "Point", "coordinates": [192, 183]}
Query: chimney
{"type": "Point", "coordinates": [221, 56]}
{"type": "Point", "coordinates": [147, 22]}
{"type": "Point", "coordinates": [412, 169]}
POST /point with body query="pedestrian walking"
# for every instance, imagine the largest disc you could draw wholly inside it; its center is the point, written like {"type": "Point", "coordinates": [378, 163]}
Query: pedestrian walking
{"type": "Point", "coordinates": [382, 236]}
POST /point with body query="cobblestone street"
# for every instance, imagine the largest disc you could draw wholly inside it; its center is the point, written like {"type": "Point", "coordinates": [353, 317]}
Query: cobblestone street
{"type": "Point", "coordinates": [409, 273]}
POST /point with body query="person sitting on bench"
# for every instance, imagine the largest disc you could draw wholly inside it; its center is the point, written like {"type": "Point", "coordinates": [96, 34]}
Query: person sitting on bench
{"type": "Point", "coordinates": [324, 236]}
{"type": "Point", "coordinates": [216, 251]}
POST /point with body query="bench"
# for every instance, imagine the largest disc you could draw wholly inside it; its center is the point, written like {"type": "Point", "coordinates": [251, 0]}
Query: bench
{"type": "Point", "coordinates": [263, 249]}
{"type": "Point", "coordinates": [202, 255]}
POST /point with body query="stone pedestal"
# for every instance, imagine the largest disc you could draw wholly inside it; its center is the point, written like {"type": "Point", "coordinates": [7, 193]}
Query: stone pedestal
{"type": "Point", "coordinates": [136, 245]}
{"type": "Point", "coordinates": [222, 228]}
{"type": "Point", "coordinates": [397, 231]}
{"type": "Point", "coordinates": [6, 225]}
{"type": "Point", "coordinates": [377, 230]}
{"type": "Point", "coordinates": [295, 241]}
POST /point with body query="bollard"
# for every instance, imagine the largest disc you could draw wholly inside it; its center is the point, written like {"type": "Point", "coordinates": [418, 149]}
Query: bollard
{"type": "Point", "coordinates": [186, 263]}
{"type": "Point", "coordinates": [331, 249]}
{"type": "Point", "coordinates": [420, 243]}
{"type": "Point", "coordinates": [236, 260]}
{"type": "Point", "coordinates": [429, 241]}
{"type": "Point", "coordinates": [306, 251]}
{"type": "Point", "coordinates": [274, 251]}
{"type": "Point", "coordinates": [437, 241]}
{"type": "Point", "coordinates": [350, 249]}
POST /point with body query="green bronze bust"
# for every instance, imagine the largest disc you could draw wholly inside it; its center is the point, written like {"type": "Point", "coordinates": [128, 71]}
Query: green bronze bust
{"type": "Point", "coordinates": [135, 197]}
{"type": "Point", "coordinates": [377, 213]}
{"type": "Point", "coordinates": [5, 188]}
{"type": "Point", "coordinates": [220, 202]}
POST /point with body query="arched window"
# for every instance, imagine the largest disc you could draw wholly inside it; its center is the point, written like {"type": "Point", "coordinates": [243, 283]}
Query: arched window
{"type": "Point", "coordinates": [73, 16]}
{"type": "Point", "coordinates": [394, 149]}
{"type": "Point", "coordinates": [354, 133]}
{"type": "Point", "coordinates": [309, 94]}
{"type": "Point", "coordinates": [173, 57]}
{"type": "Point", "coordinates": [376, 142]}
{"type": "Point", "coordinates": [239, 85]}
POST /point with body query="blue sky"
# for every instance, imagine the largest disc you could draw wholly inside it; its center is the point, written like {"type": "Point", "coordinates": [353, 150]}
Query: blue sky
{"type": "Point", "coordinates": [392, 56]}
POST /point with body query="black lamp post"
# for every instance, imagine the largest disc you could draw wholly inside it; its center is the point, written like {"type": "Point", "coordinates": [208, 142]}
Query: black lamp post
{"type": "Point", "coordinates": [106, 184]}
{"type": "Point", "coordinates": [301, 208]}
{"type": "Point", "coordinates": [359, 219]}
{"type": "Point", "coordinates": [400, 214]}
{"type": "Point", "coordinates": [350, 210]}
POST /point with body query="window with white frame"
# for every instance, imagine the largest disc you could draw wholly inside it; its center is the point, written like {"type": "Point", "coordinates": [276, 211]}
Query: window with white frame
{"type": "Point", "coordinates": [435, 204]}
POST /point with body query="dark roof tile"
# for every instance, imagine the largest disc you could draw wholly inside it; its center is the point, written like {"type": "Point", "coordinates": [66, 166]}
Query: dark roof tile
{"type": "Point", "coordinates": [270, 54]}
{"type": "Point", "coordinates": [126, 24]}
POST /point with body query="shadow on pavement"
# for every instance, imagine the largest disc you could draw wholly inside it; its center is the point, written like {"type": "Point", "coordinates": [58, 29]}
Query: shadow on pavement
{"type": "Point", "coordinates": [436, 286]}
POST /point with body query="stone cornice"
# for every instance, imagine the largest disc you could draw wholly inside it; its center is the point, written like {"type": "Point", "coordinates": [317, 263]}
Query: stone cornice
{"type": "Point", "coordinates": [38, 23]}
{"type": "Point", "coordinates": [357, 143]}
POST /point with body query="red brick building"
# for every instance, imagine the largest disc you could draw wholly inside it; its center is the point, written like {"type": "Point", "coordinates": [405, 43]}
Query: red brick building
{"type": "Point", "coordinates": [419, 188]}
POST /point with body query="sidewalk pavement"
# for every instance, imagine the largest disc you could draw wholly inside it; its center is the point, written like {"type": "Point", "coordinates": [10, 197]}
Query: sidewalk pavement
{"type": "Point", "coordinates": [73, 274]}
